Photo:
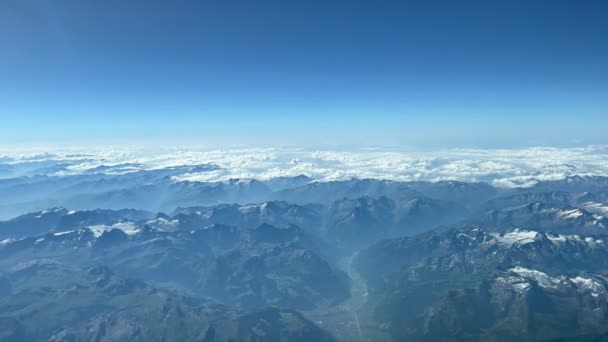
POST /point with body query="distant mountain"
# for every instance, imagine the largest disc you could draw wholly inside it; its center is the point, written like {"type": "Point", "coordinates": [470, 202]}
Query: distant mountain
{"type": "Point", "coordinates": [566, 220]}
{"type": "Point", "coordinates": [128, 186]}
{"type": "Point", "coordinates": [596, 203]}
{"type": "Point", "coordinates": [553, 198]}
{"type": "Point", "coordinates": [347, 222]}
{"type": "Point", "coordinates": [598, 197]}
{"type": "Point", "coordinates": [233, 260]}
{"type": "Point", "coordinates": [61, 219]}
{"type": "Point", "coordinates": [277, 213]}
{"type": "Point", "coordinates": [32, 224]}
{"type": "Point", "coordinates": [473, 284]}
{"type": "Point", "coordinates": [284, 183]}
{"type": "Point", "coordinates": [467, 194]}
{"type": "Point", "coordinates": [574, 184]}
{"type": "Point", "coordinates": [62, 303]}
{"type": "Point", "coordinates": [267, 325]}
{"type": "Point", "coordinates": [328, 192]}
{"type": "Point", "coordinates": [251, 268]}
{"type": "Point", "coordinates": [282, 276]}
{"type": "Point", "coordinates": [520, 303]}
{"type": "Point", "coordinates": [363, 220]}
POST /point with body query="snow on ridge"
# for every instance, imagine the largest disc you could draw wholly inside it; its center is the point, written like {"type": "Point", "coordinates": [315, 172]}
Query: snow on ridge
{"type": "Point", "coordinates": [516, 237]}
{"type": "Point", "coordinates": [547, 281]}
{"type": "Point", "coordinates": [596, 208]}
{"type": "Point", "coordinates": [6, 241]}
{"type": "Point", "coordinates": [557, 238]}
{"type": "Point", "coordinates": [63, 233]}
{"type": "Point", "coordinates": [570, 214]}
{"type": "Point", "coordinates": [520, 236]}
{"type": "Point", "coordinates": [588, 284]}
{"type": "Point", "coordinates": [541, 278]}
{"type": "Point", "coordinates": [48, 211]}
{"type": "Point", "coordinates": [128, 228]}
{"type": "Point", "coordinates": [164, 224]}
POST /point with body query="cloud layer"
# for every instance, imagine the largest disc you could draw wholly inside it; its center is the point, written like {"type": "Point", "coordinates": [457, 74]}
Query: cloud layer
{"type": "Point", "coordinates": [505, 168]}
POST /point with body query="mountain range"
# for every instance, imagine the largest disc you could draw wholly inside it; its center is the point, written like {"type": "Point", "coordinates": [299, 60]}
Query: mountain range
{"type": "Point", "coordinates": [295, 259]}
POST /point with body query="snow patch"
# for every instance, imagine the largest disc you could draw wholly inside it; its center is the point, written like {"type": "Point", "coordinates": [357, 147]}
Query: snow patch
{"type": "Point", "coordinates": [163, 224]}
{"type": "Point", "coordinates": [128, 228]}
{"type": "Point", "coordinates": [596, 208]}
{"type": "Point", "coordinates": [557, 238]}
{"type": "Point", "coordinates": [569, 214]}
{"type": "Point", "coordinates": [588, 284]}
{"type": "Point", "coordinates": [6, 242]}
{"type": "Point", "coordinates": [539, 277]}
{"type": "Point", "coordinates": [521, 286]}
{"type": "Point", "coordinates": [63, 233]}
{"type": "Point", "coordinates": [516, 237]}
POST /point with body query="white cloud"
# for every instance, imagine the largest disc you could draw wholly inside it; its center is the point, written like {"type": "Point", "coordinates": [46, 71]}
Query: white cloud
{"type": "Point", "coordinates": [500, 167]}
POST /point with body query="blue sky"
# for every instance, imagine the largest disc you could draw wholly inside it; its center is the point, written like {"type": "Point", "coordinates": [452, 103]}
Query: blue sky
{"type": "Point", "coordinates": [422, 74]}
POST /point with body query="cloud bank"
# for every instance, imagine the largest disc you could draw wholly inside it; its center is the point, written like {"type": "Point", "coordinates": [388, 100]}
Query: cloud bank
{"type": "Point", "coordinates": [499, 167]}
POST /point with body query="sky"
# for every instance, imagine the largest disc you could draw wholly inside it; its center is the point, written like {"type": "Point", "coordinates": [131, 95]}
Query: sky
{"type": "Point", "coordinates": [421, 74]}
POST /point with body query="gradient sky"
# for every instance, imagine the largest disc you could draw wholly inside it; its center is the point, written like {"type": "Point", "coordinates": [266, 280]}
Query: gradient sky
{"type": "Point", "coordinates": [422, 74]}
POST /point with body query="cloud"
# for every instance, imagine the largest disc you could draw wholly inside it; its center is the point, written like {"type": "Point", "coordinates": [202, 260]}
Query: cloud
{"type": "Point", "coordinates": [500, 167]}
